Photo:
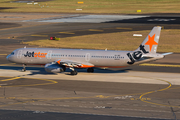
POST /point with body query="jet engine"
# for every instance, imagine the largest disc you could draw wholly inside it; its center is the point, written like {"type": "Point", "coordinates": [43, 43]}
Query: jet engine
{"type": "Point", "coordinates": [53, 68]}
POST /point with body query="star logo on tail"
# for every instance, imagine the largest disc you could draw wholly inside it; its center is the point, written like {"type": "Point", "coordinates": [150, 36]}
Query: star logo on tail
{"type": "Point", "coordinates": [151, 41]}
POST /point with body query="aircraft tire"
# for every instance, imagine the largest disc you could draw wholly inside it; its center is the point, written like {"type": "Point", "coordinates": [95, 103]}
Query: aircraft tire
{"type": "Point", "coordinates": [74, 72]}
{"type": "Point", "coordinates": [23, 70]}
{"type": "Point", "coordinates": [64, 68]}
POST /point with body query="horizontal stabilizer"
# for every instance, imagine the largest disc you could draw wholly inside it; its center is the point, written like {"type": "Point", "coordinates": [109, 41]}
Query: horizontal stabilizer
{"type": "Point", "coordinates": [167, 53]}
{"type": "Point", "coordinates": [147, 57]}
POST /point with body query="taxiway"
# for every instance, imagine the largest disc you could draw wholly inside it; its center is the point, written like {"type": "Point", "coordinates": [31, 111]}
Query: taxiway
{"type": "Point", "coordinates": [139, 92]}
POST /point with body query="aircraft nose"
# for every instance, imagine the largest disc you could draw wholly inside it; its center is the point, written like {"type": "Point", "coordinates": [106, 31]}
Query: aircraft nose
{"type": "Point", "coordinates": [8, 57]}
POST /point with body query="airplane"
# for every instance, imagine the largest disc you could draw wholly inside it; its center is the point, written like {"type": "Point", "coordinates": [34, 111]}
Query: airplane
{"type": "Point", "coordinates": [57, 60]}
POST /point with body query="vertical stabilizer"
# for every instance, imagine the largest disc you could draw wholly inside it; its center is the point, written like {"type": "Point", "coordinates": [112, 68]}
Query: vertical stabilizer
{"type": "Point", "coordinates": [150, 44]}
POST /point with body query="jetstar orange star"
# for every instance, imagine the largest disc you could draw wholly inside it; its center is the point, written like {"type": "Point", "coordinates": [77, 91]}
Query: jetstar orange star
{"type": "Point", "coordinates": [151, 41]}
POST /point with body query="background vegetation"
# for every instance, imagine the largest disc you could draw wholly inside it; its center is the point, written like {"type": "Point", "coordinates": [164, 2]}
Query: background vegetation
{"type": "Point", "coordinates": [94, 6]}
{"type": "Point", "coordinates": [169, 41]}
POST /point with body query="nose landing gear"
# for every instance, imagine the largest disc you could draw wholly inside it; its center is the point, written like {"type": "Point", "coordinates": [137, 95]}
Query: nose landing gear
{"type": "Point", "coordinates": [24, 68]}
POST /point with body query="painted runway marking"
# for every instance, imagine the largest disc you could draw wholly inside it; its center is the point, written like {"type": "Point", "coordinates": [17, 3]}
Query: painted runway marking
{"type": "Point", "coordinates": [96, 30]}
{"type": "Point", "coordinates": [140, 99]}
{"type": "Point", "coordinates": [124, 28]}
{"type": "Point", "coordinates": [123, 97]}
{"type": "Point", "coordinates": [101, 96]}
{"type": "Point", "coordinates": [7, 64]}
{"type": "Point", "coordinates": [108, 28]}
{"type": "Point", "coordinates": [28, 26]}
{"type": "Point", "coordinates": [29, 101]}
{"type": "Point", "coordinates": [3, 54]}
{"type": "Point", "coordinates": [143, 100]}
{"type": "Point", "coordinates": [70, 98]}
{"type": "Point", "coordinates": [66, 33]}
{"type": "Point", "coordinates": [51, 82]}
{"type": "Point", "coordinates": [159, 65]}
{"type": "Point", "coordinates": [40, 35]}
{"type": "Point", "coordinates": [64, 98]}
{"type": "Point", "coordinates": [15, 78]}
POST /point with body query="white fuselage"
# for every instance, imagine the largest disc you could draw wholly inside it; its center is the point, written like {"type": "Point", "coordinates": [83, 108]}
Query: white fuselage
{"type": "Point", "coordinates": [99, 58]}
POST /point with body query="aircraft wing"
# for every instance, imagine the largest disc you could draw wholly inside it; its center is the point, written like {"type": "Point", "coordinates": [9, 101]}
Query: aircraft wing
{"type": "Point", "coordinates": [74, 64]}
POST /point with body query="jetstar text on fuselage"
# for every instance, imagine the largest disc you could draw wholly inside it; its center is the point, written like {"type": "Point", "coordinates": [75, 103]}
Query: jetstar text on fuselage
{"type": "Point", "coordinates": [35, 54]}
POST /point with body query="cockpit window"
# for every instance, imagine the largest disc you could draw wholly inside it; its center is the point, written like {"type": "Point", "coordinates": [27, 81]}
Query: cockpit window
{"type": "Point", "coordinates": [12, 53]}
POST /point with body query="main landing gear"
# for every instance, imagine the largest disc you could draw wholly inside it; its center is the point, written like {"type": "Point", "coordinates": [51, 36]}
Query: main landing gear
{"type": "Point", "coordinates": [24, 68]}
{"type": "Point", "coordinates": [90, 70]}
{"type": "Point", "coordinates": [73, 72]}
{"type": "Point", "coordinates": [63, 68]}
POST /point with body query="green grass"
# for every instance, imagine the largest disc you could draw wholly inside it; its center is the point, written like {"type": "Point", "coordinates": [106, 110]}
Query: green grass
{"type": "Point", "coordinates": [96, 6]}
{"type": "Point", "coordinates": [169, 41]}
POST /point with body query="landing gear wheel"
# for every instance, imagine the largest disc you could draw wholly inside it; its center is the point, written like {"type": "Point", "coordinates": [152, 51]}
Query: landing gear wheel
{"type": "Point", "coordinates": [24, 68]}
{"type": "Point", "coordinates": [64, 68]}
{"type": "Point", "coordinates": [90, 70]}
{"type": "Point", "coordinates": [74, 72]}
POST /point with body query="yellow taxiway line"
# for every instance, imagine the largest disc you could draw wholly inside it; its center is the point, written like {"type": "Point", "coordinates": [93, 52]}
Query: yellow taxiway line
{"type": "Point", "coordinates": [40, 35]}
{"type": "Point", "coordinates": [159, 65]}
{"type": "Point", "coordinates": [53, 82]}
{"type": "Point", "coordinates": [70, 98]}
{"type": "Point", "coordinates": [15, 78]}
{"type": "Point", "coordinates": [26, 26]}
{"type": "Point", "coordinates": [7, 64]}
{"type": "Point", "coordinates": [3, 54]}
{"type": "Point", "coordinates": [29, 100]}
{"type": "Point", "coordinates": [66, 33]}
{"type": "Point", "coordinates": [124, 28]}
{"type": "Point", "coordinates": [97, 96]}
{"type": "Point", "coordinates": [96, 30]}
{"type": "Point", "coordinates": [17, 103]}
{"type": "Point", "coordinates": [11, 79]}
{"type": "Point", "coordinates": [64, 98]}
{"type": "Point", "coordinates": [144, 100]}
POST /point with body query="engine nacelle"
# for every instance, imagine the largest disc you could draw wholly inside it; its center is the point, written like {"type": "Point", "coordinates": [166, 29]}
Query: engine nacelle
{"type": "Point", "coordinates": [53, 68]}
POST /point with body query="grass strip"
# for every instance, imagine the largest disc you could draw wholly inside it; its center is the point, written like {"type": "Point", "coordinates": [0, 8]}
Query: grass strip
{"type": "Point", "coordinates": [169, 41]}
{"type": "Point", "coordinates": [94, 6]}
